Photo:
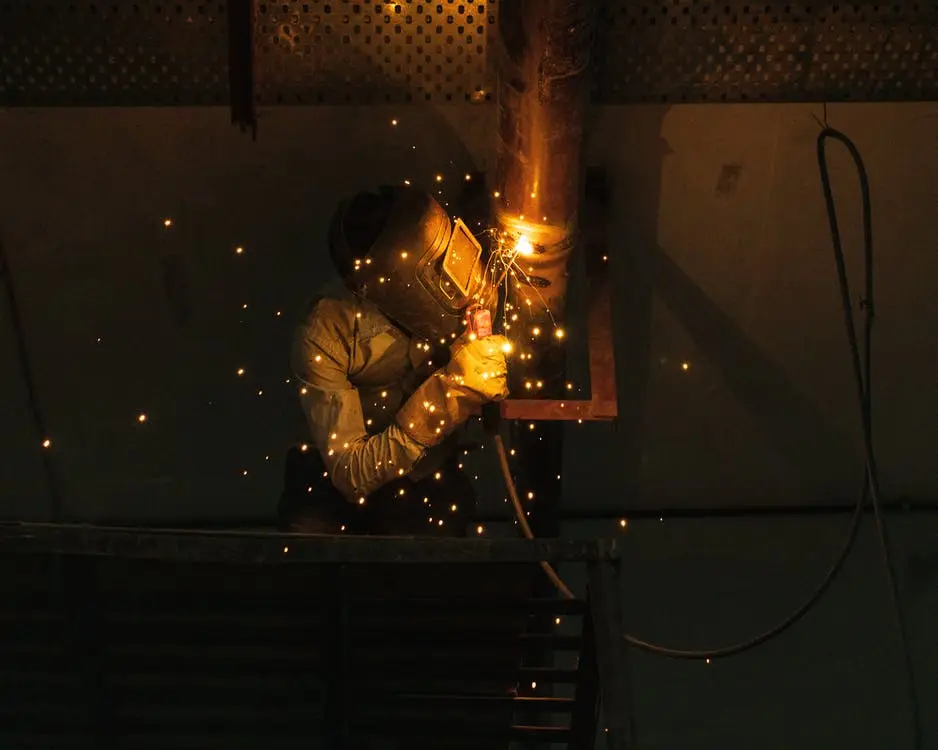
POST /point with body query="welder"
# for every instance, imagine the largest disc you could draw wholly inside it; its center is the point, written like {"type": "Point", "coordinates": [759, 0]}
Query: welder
{"type": "Point", "coordinates": [389, 365]}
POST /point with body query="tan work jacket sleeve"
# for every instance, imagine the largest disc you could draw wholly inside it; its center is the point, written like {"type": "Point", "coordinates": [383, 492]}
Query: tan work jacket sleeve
{"type": "Point", "coordinates": [357, 463]}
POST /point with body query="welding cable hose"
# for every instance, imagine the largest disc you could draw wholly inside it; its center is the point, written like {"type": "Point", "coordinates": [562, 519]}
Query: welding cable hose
{"type": "Point", "coordinates": [676, 653]}
{"type": "Point", "coordinates": [861, 362]}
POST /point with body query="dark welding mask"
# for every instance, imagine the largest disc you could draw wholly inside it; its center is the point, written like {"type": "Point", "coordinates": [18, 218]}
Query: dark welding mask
{"type": "Point", "coordinates": [400, 250]}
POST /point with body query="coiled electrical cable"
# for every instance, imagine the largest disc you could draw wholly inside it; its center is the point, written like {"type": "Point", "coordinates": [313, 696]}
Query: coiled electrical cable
{"type": "Point", "coordinates": [861, 363]}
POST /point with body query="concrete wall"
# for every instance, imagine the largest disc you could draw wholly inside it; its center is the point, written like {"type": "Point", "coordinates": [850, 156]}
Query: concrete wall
{"type": "Point", "coordinates": [720, 252]}
{"type": "Point", "coordinates": [833, 680]}
{"type": "Point", "coordinates": [722, 260]}
{"type": "Point", "coordinates": [124, 316]}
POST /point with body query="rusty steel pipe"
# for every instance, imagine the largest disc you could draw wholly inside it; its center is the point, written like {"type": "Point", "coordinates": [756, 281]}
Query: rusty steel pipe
{"type": "Point", "coordinates": [543, 88]}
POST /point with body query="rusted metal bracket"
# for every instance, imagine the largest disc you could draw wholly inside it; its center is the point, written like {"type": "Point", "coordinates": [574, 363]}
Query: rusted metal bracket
{"type": "Point", "coordinates": [241, 65]}
{"type": "Point", "coordinates": [602, 404]}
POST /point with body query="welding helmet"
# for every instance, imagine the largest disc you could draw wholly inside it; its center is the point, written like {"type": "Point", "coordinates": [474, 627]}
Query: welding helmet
{"type": "Point", "coordinates": [400, 250]}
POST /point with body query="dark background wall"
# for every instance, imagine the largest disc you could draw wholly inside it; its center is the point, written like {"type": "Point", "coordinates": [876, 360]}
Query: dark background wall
{"type": "Point", "coordinates": [720, 254]}
{"type": "Point", "coordinates": [721, 260]}
{"type": "Point", "coordinates": [834, 680]}
{"type": "Point", "coordinates": [125, 316]}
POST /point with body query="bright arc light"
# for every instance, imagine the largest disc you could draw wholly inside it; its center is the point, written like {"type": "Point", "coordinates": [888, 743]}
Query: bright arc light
{"type": "Point", "coordinates": [523, 246]}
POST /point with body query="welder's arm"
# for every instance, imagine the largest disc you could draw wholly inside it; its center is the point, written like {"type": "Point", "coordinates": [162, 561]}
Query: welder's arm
{"type": "Point", "coordinates": [477, 374]}
{"type": "Point", "coordinates": [357, 463]}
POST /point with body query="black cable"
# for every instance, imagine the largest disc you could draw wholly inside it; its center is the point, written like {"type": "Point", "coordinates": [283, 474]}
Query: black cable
{"type": "Point", "coordinates": [738, 648]}
{"type": "Point", "coordinates": [862, 371]}
{"type": "Point", "coordinates": [676, 653]}
{"type": "Point", "coordinates": [828, 579]}
{"type": "Point", "coordinates": [29, 380]}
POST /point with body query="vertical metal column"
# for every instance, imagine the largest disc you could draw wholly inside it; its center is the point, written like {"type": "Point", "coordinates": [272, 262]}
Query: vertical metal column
{"type": "Point", "coordinates": [241, 65]}
{"type": "Point", "coordinates": [583, 721]}
{"type": "Point", "coordinates": [605, 600]}
{"type": "Point", "coordinates": [543, 88]}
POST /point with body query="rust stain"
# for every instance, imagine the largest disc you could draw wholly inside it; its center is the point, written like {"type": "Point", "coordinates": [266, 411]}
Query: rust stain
{"type": "Point", "coordinates": [728, 180]}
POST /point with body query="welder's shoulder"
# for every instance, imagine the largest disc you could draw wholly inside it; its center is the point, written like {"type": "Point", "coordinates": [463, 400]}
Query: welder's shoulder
{"type": "Point", "coordinates": [331, 316]}
{"type": "Point", "coordinates": [320, 349]}
{"type": "Point", "coordinates": [328, 325]}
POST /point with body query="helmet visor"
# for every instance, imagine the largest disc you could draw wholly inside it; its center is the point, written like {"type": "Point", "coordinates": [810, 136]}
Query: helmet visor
{"type": "Point", "coordinates": [462, 264]}
{"type": "Point", "coordinates": [455, 274]}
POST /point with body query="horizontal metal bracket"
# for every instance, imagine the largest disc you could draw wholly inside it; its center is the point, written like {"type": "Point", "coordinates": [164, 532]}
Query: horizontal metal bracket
{"type": "Point", "coordinates": [603, 403]}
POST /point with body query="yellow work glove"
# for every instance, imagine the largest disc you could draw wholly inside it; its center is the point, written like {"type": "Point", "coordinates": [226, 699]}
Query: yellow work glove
{"type": "Point", "coordinates": [477, 373]}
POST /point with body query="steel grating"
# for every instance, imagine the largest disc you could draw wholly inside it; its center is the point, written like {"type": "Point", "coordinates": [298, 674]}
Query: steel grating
{"type": "Point", "coordinates": [116, 652]}
{"type": "Point", "coordinates": [341, 51]}
{"type": "Point", "coordinates": [355, 52]}
{"type": "Point", "coordinates": [113, 54]}
{"type": "Point", "coordinates": [686, 50]}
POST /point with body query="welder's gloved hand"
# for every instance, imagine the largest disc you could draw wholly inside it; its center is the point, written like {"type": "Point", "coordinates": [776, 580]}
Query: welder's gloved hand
{"type": "Point", "coordinates": [480, 366]}
{"type": "Point", "coordinates": [476, 374]}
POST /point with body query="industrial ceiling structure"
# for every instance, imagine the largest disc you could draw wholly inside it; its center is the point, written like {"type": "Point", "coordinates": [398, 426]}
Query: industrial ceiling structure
{"type": "Point", "coordinates": [153, 52]}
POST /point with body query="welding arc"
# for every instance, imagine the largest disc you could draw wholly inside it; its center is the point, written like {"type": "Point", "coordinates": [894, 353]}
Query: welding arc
{"type": "Point", "coordinates": [861, 372]}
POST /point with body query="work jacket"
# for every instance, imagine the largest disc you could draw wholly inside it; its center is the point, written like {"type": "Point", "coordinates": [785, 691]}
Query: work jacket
{"type": "Point", "coordinates": [354, 369]}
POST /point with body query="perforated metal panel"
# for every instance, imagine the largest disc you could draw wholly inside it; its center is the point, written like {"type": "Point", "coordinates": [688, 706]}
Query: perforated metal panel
{"type": "Point", "coordinates": [340, 51]}
{"type": "Point", "coordinates": [113, 53]}
{"type": "Point", "coordinates": [343, 51]}
{"type": "Point", "coordinates": [686, 50]}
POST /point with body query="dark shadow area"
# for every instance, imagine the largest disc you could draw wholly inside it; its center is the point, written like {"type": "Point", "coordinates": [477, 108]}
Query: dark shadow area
{"type": "Point", "coordinates": [794, 430]}
{"type": "Point", "coordinates": [788, 421]}
{"type": "Point", "coordinates": [637, 185]}
{"type": "Point", "coordinates": [161, 319]}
